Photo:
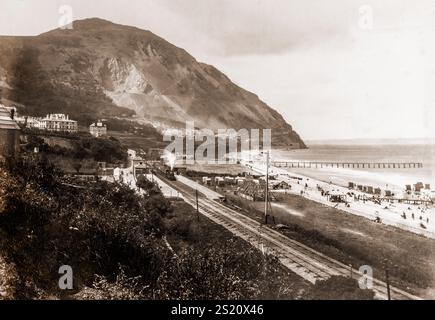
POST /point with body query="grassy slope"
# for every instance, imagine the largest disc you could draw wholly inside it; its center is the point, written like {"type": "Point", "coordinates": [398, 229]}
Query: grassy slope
{"type": "Point", "coordinates": [202, 232]}
{"type": "Point", "coordinates": [357, 241]}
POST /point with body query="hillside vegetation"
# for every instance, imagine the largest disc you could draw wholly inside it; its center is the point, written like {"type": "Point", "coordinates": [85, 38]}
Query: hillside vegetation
{"type": "Point", "coordinates": [103, 70]}
{"type": "Point", "coordinates": [117, 244]}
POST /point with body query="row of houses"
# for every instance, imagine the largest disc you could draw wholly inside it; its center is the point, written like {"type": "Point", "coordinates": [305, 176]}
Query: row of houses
{"type": "Point", "coordinates": [62, 123]}
{"type": "Point", "coordinates": [57, 122]}
{"type": "Point", "coordinates": [10, 129]}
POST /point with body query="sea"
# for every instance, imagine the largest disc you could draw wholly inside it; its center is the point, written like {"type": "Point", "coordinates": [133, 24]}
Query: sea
{"type": "Point", "coordinates": [394, 179]}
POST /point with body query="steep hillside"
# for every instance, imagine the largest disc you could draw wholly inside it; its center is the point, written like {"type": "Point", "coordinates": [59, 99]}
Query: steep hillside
{"type": "Point", "coordinates": [104, 69]}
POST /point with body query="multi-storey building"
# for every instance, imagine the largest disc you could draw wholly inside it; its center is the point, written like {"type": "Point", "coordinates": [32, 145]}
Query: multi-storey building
{"type": "Point", "coordinates": [58, 122]}
{"type": "Point", "coordinates": [51, 122]}
{"type": "Point", "coordinates": [98, 129]}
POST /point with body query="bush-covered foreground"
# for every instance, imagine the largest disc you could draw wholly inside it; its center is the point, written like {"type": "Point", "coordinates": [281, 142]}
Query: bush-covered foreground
{"type": "Point", "coordinates": [123, 246]}
{"type": "Point", "coordinates": [114, 240]}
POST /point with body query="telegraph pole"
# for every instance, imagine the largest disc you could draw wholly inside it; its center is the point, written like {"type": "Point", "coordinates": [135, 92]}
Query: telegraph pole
{"type": "Point", "coordinates": [387, 276]}
{"type": "Point", "coordinates": [197, 204]}
{"type": "Point", "coordinates": [266, 203]}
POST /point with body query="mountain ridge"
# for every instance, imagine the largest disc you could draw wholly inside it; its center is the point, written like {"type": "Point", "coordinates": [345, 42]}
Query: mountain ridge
{"type": "Point", "coordinates": [100, 68]}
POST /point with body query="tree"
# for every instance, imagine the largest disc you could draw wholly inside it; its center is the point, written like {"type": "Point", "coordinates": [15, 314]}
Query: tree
{"type": "Point", "coordinates": [149, 187]}
{"type": "Point", "coordinates": [121, 288]}
{"type": "Point", "coordinates": [143, 183]}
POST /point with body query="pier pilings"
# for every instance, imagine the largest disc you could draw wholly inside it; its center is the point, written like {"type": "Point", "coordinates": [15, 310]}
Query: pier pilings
{"type": "Point", "coordinates": [353, 165]}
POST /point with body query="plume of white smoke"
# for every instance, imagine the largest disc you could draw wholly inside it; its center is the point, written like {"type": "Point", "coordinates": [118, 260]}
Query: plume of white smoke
{"type": "Point", "coordinates": [170, 159]}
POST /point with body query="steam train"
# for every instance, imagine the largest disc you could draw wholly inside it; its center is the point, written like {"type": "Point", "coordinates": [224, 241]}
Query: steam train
{"type": "Point", "coordinates": [164, 170]}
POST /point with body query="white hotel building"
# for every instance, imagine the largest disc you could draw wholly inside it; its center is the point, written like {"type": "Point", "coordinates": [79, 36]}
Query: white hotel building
{"type": "Point", "coordinates": [58, 122]}
{"type": "Point", "coordinates": [51, 122]}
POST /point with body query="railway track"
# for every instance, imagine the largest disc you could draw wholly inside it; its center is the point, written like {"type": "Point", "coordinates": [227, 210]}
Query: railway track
{"type": "Point", "coordinates": [300, 259]}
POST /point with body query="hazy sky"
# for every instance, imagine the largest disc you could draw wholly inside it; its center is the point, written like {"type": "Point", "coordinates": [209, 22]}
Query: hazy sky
{"type": "Point", "coordinates": [334, 69]}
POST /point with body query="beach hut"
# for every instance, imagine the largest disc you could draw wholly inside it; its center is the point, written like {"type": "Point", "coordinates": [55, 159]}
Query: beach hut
{"type": "Point", "coordinates": [418, 186]}
{"type": "Point", "coordinates": [351, 185]}
{"type": "Point", "coordinates": [219, 181]}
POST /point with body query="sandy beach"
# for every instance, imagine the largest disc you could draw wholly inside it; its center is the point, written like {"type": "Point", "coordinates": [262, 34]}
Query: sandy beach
{"type": "Point", "coordinates": [418, 219]}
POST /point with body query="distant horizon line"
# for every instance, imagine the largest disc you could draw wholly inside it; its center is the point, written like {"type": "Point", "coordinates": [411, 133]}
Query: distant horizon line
{"type": "Point", "coordinates": [421, 140]}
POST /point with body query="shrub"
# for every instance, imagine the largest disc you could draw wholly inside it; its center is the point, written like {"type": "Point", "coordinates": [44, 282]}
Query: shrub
{"type": "Point", "coordinates": [339, 288]}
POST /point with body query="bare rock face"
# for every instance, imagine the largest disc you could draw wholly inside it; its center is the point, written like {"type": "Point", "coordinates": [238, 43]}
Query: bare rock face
{"type": "Point", "coordinates": [103, 69]}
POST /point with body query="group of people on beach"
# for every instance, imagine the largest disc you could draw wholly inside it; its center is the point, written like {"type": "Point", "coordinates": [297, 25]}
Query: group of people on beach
{"type": "Point", "coordinates": [421, 217]}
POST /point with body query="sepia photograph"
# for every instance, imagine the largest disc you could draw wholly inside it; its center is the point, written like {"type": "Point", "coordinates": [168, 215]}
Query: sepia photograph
{"type": "Point", "coordinates": [230, 153]}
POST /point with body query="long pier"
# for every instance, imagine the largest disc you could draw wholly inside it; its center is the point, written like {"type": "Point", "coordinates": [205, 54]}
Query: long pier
{"type": "Point", "coordinates": [350, 165]}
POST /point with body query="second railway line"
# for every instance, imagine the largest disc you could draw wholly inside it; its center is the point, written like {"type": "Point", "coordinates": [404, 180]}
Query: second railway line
{"type": "Point", "coordinates": [300, 259]}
